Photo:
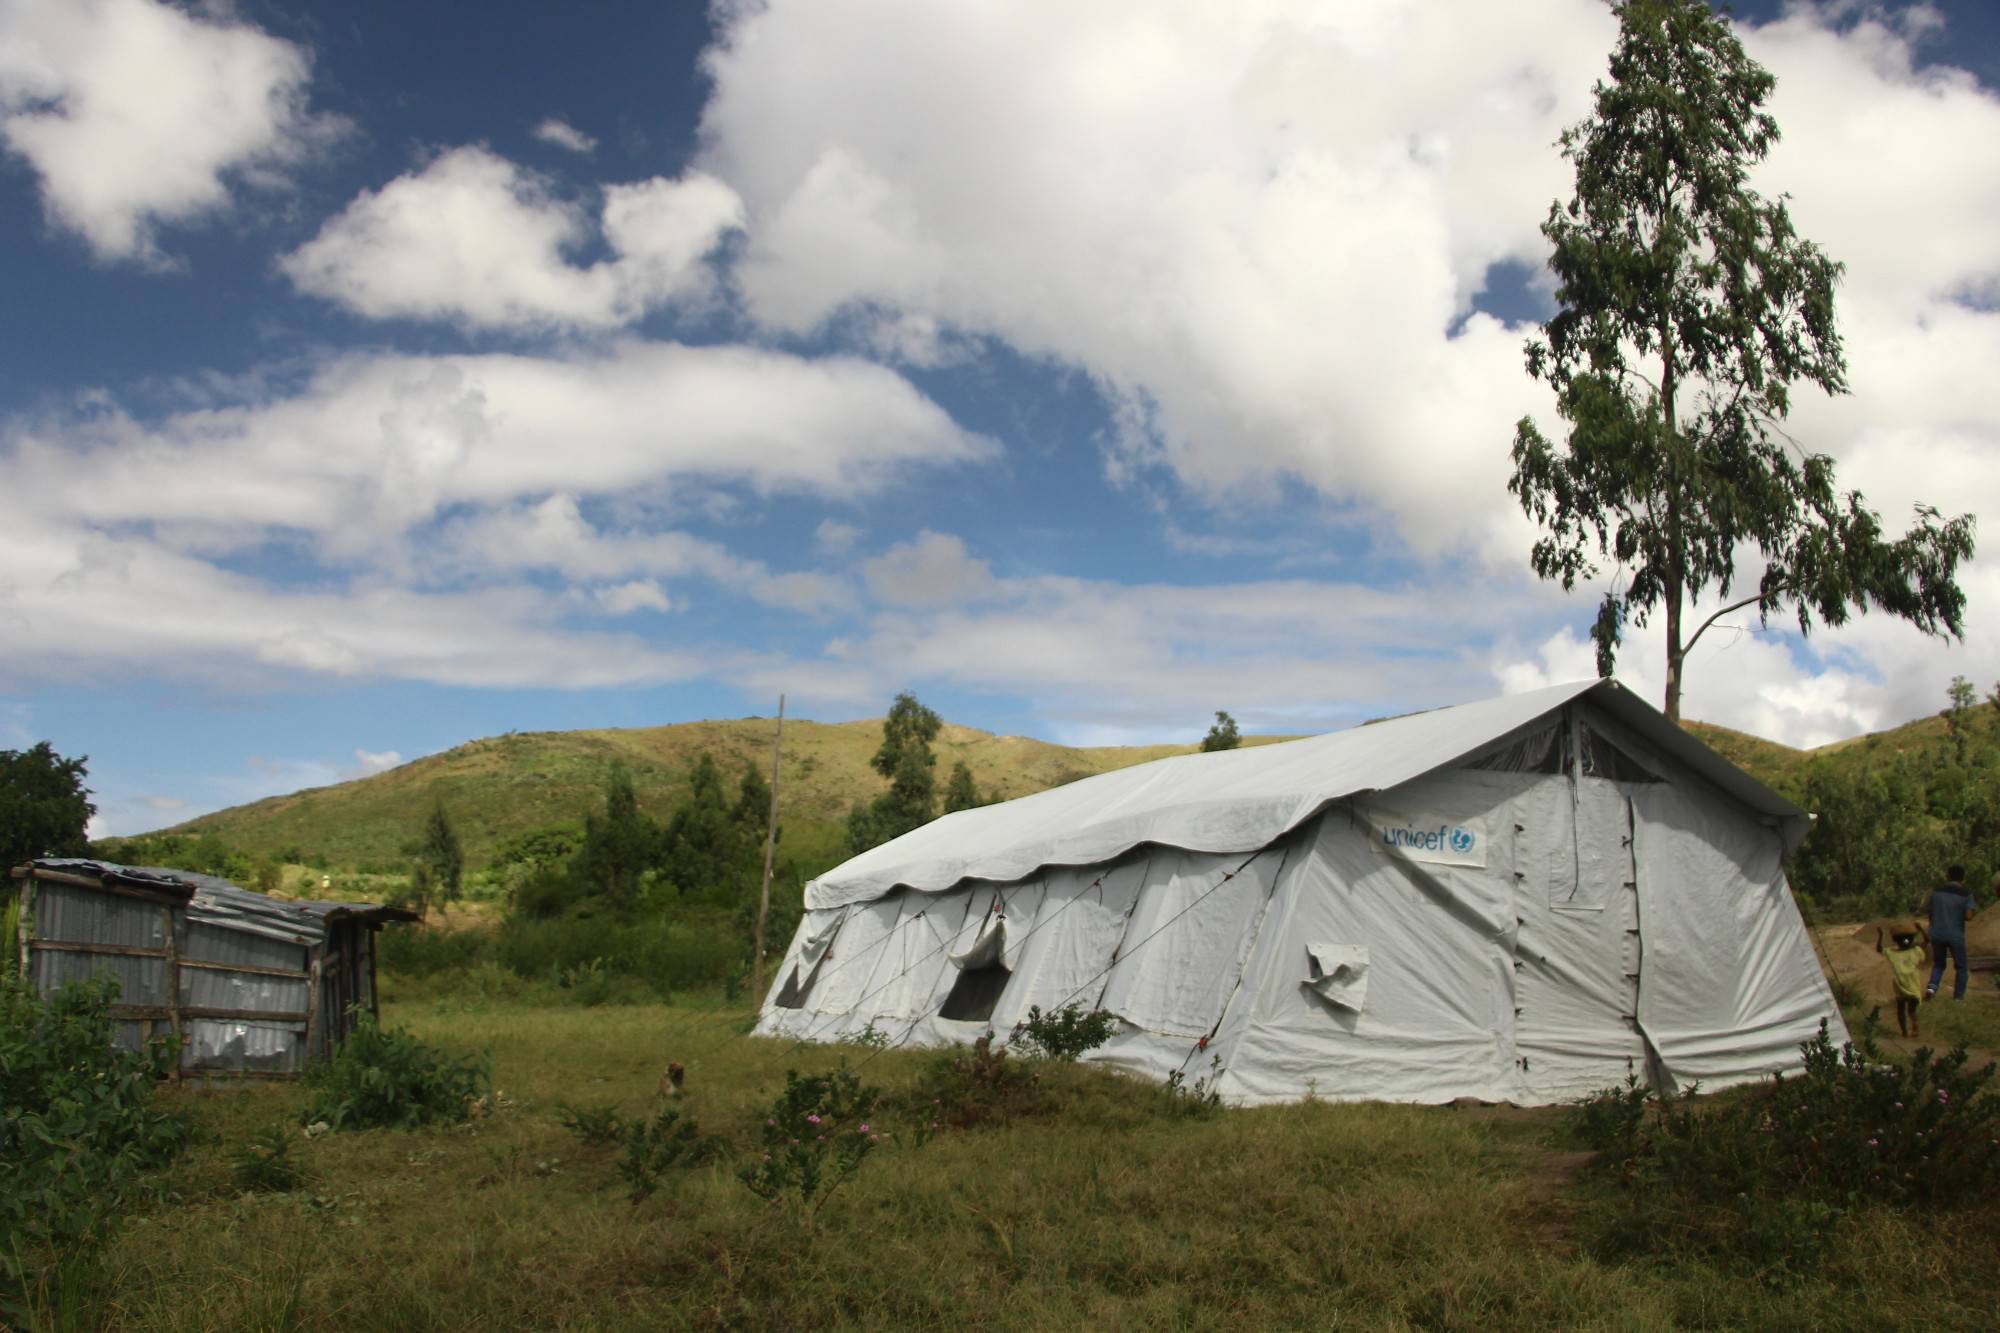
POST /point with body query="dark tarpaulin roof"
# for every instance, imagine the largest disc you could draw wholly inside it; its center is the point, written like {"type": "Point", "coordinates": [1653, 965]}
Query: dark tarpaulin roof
{"type": "Point", "coordinates": [217, 902]}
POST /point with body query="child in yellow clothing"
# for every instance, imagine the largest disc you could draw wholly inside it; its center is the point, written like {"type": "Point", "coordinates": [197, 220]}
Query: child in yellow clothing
{"type": "Point", "coordinates": [1906, 966]}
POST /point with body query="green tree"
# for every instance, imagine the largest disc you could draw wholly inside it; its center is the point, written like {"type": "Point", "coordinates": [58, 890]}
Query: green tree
{"type": "Point", "coordinates": [1223, 735]}
{"type": "Point", "coordinates": [618, 845]}
{"type": "Point", "coordinates": [44, 806]}
{"type": "Point", "coordinates": [441, 855]}
{"type": "Point", "coordinates": [905, 759]}
{"type": "Point", "coordinates": [704, 843]}
{"type": "Point", "coordinates": [753, 807]}
{"type": "Point", "coordinates": [1688, 307]}
{"type": "Point", "coordinates": [960, 791]}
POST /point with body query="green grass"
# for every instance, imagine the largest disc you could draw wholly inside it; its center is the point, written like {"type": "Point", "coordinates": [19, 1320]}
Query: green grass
{"type": "Point", "coordinates": [1101, 1209]}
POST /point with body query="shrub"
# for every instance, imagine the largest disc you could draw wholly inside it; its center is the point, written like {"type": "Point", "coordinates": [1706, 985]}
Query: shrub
{"type": "Point", "coordinates": [599, 1126]}
{"type": "Point", "coordinates": [1764, 1175]}
{"type": "Point", "coordinates": [263, 1163]}
{"type": "Point", "coordinates": [409, 949]}
{"type": "Point", "coordinates": [967, 1085]}
{"type": "Point", "coordinates": [1065, 1034]}
{"type": "Point", "coordinates": [653, 1146]}
{"type": "Point", "coordinates": [817, 1134]}
{"type": "Point", "coordinates": [80, 1137]}
{"type": "Point", "coordinates": [386, 1078]}
{"type": "Point", "coordinates": [692, 951]}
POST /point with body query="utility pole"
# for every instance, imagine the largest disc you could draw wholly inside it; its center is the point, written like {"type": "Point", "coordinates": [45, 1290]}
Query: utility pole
{"type": "Point", "coordinates": [770, 844]}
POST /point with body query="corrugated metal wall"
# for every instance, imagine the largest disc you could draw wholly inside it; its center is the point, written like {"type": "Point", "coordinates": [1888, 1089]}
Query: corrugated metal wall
{"type": "Point", "coordinates": [245, 998]}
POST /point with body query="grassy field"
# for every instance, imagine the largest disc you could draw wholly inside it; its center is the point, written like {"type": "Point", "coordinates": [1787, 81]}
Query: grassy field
{"type": "Point", "coordinates": [1096, 1205]}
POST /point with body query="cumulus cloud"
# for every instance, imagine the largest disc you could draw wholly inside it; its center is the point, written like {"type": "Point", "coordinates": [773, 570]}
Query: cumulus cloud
{"type": "Point", "coordinates": [426, 493]}
{"type": "Point", "coordinates": [135, 114]}
{"type": "Point", "coordinates": [1262, 231]}
{"type": "Point", "coordinates": [565, 135]}
{"type": "Point", "coordinates": [1256, 227]}
{"type": "Point", "coordinates": [473, 238]}
{"type": "Point", "coordinates": [373, 444]}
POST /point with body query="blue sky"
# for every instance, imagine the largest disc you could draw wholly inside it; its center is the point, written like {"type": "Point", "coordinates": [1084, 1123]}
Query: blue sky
{"type": "Point", "coordinates": [381, 376]}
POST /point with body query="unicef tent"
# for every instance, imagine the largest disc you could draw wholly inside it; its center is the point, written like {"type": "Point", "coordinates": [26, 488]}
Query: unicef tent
{"type": "Point", "coordinates": [1519, 900]}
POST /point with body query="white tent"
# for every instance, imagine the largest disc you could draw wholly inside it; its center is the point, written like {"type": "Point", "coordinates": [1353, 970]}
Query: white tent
{"type": "Point", "coordinates": [1520, 900]}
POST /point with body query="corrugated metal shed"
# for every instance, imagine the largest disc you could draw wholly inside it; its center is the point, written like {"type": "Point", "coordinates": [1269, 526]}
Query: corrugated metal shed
{"type": "Point", "coordinates": [250, 984]}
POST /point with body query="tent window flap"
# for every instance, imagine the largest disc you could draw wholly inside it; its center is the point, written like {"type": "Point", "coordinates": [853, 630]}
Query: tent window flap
{"type": "Point", "coordinates": [1338, 974]}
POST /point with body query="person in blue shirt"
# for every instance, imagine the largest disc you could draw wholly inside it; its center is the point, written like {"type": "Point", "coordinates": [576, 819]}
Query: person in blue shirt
{"type": "Point", "coordinates": [1949, 908]}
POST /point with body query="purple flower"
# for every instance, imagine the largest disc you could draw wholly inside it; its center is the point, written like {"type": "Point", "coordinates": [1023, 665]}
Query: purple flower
{"type": "Point", "coordinates": [862, 1130]}
{"type": "Point", "coordinates": [812, 1120]}
{"type": "Point", "coordinates": [1873, 1144]}
{"type": "Point", "coordinates": [873, 1138]}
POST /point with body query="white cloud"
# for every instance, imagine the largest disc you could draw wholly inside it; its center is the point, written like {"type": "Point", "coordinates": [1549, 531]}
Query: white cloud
{"type": "Point", "coordinates": [1254, 226]}
{"type": "Point", "coordinates": [374, 761]}
{"type": "Point", "coordinates": [835, 538]}
{"type": "Point", "coordinates": [622, 599]}
{"type": "Point", "coordinates": [565, 135]}
{"type": "Point", "coordinates": [134, 114]}
{"type": "Point", "coordinates": [423, 493]}
{"type": "Point", "coordinates": [472, 237]}
{"type": "Point", "coordinates": [1259, 229]}
{"type": "Point", "coordinates": [371, 445]}
{"type": "Point", "coordinates": [932, 570]}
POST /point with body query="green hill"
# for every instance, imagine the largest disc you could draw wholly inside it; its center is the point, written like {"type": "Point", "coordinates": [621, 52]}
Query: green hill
{"type": "Point", "coordinates": [506, 785]}
{"type": "Point", "coordinates": [502, 786]}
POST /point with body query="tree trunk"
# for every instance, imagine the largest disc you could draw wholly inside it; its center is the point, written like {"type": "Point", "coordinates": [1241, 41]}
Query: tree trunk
{"type": "Point", "coordinates": [1673, 708]}
{"type": "Point", "coordinates": [1676, 580]}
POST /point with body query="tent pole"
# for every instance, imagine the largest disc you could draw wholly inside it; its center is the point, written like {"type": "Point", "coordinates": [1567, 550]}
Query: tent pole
{"type": "Point", "coordinates": [770, 843]}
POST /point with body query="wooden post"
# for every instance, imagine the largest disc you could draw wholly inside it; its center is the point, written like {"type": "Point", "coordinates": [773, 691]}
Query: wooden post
{"type": "Point", "coordinates": [374, 996]}
{"type": "Point", "coordinates": [313, 1017]}
{"type": "Point", "coordinates": [173, 969]}
{"type": "Point", "coordinates": [770, 843]}
{"type": "Point", "coordinates": [22, 927]}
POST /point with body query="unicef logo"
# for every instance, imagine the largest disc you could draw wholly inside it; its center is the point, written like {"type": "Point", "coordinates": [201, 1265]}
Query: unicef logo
{"type": "Point", "coordinates": [1461, 840]}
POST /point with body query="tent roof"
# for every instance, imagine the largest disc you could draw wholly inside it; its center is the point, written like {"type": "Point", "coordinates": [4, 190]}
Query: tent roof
{"type": "Point", "coordinates": [1240, 800]}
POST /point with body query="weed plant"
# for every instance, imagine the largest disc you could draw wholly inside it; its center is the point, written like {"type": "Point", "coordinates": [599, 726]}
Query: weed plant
{"type": "Point", "coordinates": [1201, 1098]}
{"type": "Point", "coordinates": [81, 1136]}
{"type": "Point", "coordinates": [651, 1147]}
{"type": "Point", "coordinates": [1064, 1035]}
{"type": "Point", "coordinates": [385, 1078]}
{"type": "Point", "coordinates": [816, 1135]}
{"type": "Point", "coordinates": [263, 1162]}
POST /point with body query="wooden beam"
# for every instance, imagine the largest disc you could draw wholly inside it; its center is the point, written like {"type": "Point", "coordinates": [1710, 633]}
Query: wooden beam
{"type": "Point", "coordinates": [114, 950]}
{"type": "Point", "coordinates": [207, 966]}
{"type": "Point", "coordinates": [245, 1015]}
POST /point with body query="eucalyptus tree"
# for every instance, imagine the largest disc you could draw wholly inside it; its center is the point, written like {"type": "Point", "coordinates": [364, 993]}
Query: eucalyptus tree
{"type": "Point", "coordinates": [1688, 309]}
